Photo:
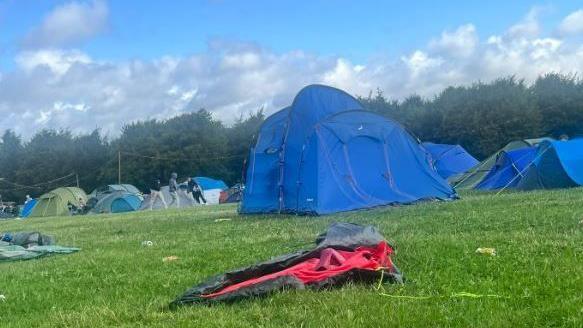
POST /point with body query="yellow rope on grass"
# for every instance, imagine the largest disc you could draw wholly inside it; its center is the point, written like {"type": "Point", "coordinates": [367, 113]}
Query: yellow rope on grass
{"type": "Point", "coordinates": [454, 295]}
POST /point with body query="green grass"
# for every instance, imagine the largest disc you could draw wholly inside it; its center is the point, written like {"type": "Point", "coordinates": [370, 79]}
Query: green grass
{"type": "Point", "coordinates": [114, 281]}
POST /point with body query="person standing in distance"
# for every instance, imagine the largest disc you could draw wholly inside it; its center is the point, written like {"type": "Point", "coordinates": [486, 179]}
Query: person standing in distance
{"type": "Point", "coordinates": [155, 193]}
{"type": "Point", "coordinates": [173, 188]}
{"type": "Point", "coordinates": [195, 192]}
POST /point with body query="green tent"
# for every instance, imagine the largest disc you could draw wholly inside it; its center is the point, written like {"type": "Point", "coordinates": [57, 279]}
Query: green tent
{"type": "Point", "coordinates": [475, 175]}
{"type": "Point", "coordinates": [55, 203]}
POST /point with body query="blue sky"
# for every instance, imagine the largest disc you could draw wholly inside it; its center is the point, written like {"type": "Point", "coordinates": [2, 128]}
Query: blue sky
{"type": "Point", "coordinates": [86, 64]}
{"type": "Point", "coordinates": [356, 30]}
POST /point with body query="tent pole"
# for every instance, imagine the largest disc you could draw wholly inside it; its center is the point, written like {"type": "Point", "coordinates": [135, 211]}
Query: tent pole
{"type": "Point", "coordinates": [524, 170]}
{"type": "Point", "coordinates": [118, 167]}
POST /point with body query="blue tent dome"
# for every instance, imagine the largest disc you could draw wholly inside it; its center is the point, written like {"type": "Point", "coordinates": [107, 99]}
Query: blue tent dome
{"type": "Point", "coordinates": [326, 154]}
{"type": "Point", "coordinates": [450, 160]}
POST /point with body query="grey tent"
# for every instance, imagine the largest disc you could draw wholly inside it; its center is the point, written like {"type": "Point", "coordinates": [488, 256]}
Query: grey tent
{"type": "Point", "coordinates": [108, 189]}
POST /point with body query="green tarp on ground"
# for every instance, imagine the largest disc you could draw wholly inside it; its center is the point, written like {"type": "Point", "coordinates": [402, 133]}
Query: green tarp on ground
{"type": "Point", "coordinates": [474, 176]}
{"type": "Point", "coordinates": [9, 252]}
{"type": "Point", "coordinates": [55, 203]}
{"type": "Point", "coordinates": [22, 246]}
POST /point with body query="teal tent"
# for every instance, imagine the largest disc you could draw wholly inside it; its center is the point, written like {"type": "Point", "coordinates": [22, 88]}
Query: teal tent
{"type": "Point", "coordinates": [117, 202]}
{"type": "Point", "coordinates": [558, 164]}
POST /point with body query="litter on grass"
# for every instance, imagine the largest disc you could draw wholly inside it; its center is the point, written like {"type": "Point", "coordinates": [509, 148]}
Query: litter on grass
{"type": "Point", "coordinates": [170, 258]}
{"type": "Point", "coordinates": [147, 243]}
{"type": "Point", "coordinates": [344, 253]}
{"type": "Point", "coordinates": [2, 298]}
{"type": "Point", "coordinates": [222, 220]}
{"type": "Point", "coordinates": [454, 295]}
{"type": "Point", "coordinates": [486, 251]}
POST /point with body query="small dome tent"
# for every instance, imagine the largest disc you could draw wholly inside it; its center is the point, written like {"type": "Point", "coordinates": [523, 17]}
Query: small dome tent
{"type": "Point", "coordinates": [509, 169]}
{"type": "Point", "coordinates": [118, 202]}
{"type": "Point", "coordinates": [474, 176]}
{"type": "Point", "coordinates": [107, 189]}
{"type": "Point", "coordinates": [55, 202]}
{"type": "Point", "coordinates": [326, 154]}
{"type": "Point", "coordinates": [211, 188]}
{"type": "Point", "coordinates": [450, 159]}
{"type": "Point", "coordinates": [558, 164]}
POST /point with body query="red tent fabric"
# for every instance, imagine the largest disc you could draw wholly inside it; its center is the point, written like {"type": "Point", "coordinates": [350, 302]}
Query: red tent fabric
{"type": "Point", "coordinates": [330, 263]}
{"type": "Point", "coordinates": [345, 252]}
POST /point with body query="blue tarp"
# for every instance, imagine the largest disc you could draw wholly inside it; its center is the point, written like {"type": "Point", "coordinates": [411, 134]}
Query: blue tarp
{"type": "Point", "coordinates": [27, 208]}
{"type": "Point", "coordinates": [209, 183]}
{"type": "Point", "coordinates": [509, 169]}
{"type": "Point", "coordinates": [450, 160]}
{"type": "Point", "coordinates": [326, 154]}
{"type": "Point", "coordinates": [558, 164]}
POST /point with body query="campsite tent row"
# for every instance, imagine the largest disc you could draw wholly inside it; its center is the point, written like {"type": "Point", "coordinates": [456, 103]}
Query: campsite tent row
{"type": "Point", "coordinates": [111, 199]}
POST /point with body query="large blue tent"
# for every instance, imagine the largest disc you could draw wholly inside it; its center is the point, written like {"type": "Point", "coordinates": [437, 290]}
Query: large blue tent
{"type": "Point", "coordinates": [326, 154]}
{"type": "Point", "coordinates": [450, 159]}
{"type": "Point", "coordinates": [558, 164]}
{"type": "Point", "coordinates": [509, 169]}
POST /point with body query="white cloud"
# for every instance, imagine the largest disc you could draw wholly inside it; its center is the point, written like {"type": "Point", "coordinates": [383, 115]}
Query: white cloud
{"type": "Point", "coordinates": [69, 24]}
{"type": "Point", "coordinates": [459, 43]}
{"type": "Point", "coordinates": [419, 62]}
{"type": "Point", "coordinates": [528, 27]}
{"type": "Point", "coordinates": [68, 88]}
{"type": "Point", "coordinates": [58, 61]}
{"type": "Point", "coordinates": [572, 24]}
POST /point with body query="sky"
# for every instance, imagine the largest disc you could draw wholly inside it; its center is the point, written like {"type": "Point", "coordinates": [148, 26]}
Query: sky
{"type": "Point", "coordinates": [83, 65]}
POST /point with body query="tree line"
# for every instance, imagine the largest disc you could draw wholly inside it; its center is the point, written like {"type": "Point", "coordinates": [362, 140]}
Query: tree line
{"type": "Point", "coordinates": [190, 144]}
{"type": "Point", "coordinates": [481, 117]}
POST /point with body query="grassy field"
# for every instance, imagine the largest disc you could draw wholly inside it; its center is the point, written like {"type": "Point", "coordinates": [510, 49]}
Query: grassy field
{"type": "Point", "coordinates": [115, 281]}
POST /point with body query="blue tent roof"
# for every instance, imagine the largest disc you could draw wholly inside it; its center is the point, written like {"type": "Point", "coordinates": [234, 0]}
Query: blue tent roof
{"type": "Point", "coordinates": [450, 159]}
{"type": "Point", "coordinates": [558, 164]}
{"type": "Point", "coordinates": [208, 183]}
{"type": "Point", "coordinates": [325, 154]}
{"type": "Point", "coordinates": [509, 169]}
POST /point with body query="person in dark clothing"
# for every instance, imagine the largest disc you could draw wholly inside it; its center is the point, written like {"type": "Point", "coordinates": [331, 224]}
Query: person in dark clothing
{"type": "Point", "coordinates": [173, 189]}
{"type": "Point", "coordinates": [155, 193]}
{"type": "Point", "coordinates": [194, 192]}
